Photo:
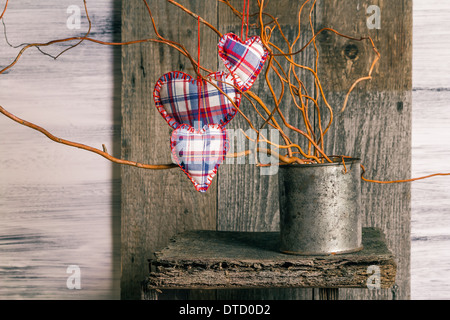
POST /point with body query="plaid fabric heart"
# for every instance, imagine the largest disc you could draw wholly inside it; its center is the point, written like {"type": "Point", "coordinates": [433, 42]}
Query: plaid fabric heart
{"type": "Point", "coordinates": [244, 60]}
{"type": "Point", "coordinates": [199, 153]}
{"type": "Point", "coordinates": [183, 100]}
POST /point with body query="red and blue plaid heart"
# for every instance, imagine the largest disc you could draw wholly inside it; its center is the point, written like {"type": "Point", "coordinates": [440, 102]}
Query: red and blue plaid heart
{"type": "Point", "coordinates": [244, 60]}
{"type": "Point", "coordinates": [196, 102]}
{"type": "Point", "coordinates": [199, 153]}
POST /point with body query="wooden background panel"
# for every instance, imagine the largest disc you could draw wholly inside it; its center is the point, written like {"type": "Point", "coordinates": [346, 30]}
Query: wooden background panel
{"type": "Point", "coordinates": [28, 179]}
{"type": "Point", "coordinates": [255, 191]}
{"type": "Point", "coordinates": [157, 205]}
{"type": "Point", "coordinates": [377, 123]}
{"type": "Point", "coordinates": [248, 201]}
{"type": "Point", "coordinates": [248, 195]}
{"type": "Point", "coordinates": [431, 147]}
{"type": "Point", "coordinates": [60, 206]}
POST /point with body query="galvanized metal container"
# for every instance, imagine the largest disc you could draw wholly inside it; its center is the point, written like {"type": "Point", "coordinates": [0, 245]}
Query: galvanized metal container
{"type": "Point", "coordinates": [320, 208]}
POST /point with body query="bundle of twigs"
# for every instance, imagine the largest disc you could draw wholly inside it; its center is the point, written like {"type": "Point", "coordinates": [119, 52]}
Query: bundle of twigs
{"type": "Point", "coordinates": [286, 72]}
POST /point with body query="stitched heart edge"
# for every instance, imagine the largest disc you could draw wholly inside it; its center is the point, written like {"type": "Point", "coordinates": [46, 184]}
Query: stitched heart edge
{"type": "Point", "coordinates": [199, 187]}
{"type": "Point", "coordinates": [247, 85]}
{"type": "Point", "coordinates": [176, 75]}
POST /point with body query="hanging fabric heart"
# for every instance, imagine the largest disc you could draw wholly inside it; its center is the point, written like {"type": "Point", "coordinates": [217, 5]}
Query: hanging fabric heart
{"type": "Point", "coordinates": [244, 60]}
{"type": "Point", "coordinates": [199, 153]}
{"type": "Point", "coordinates": [183, 100]}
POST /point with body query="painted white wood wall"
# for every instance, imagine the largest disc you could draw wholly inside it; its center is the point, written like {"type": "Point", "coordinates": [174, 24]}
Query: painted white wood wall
{"type": "Point", "coordinates": [430, 246]}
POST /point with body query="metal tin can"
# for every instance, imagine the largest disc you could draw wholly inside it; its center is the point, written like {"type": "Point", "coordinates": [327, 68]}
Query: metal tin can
{"type": "Point", "coordinates": [320, 208]}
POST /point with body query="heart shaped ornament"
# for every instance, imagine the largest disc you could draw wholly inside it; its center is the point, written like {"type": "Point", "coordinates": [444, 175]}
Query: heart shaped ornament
{"type": "Point", "coordinates": [244, 60]}
{"type": "Point", "coordinates": [182, 99]}
{"type": "Point", "coordinates": [199, 153]}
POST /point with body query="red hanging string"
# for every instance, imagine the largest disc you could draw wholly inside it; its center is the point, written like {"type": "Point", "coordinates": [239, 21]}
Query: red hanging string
{"type": "Point", "coordinates": [199, 77]}
{"type": "Point", "coordinates": [248, 14]}
{"type": "Point", "coordinates": [243, 18]}
{"type": "Point", "coordinates": [245, 15]}
{"type": "Point", "coordinates": [198, 44]}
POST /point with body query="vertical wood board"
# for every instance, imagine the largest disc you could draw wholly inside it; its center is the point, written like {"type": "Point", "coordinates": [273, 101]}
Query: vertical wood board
{"type": "Point", "coordinates": [156, 204]}
{"type": "Point", "coordinates": [248, 195]}
{"type": "Point", "coordinates": [376, 126]}
{"type": "Point", "coordinates": [59, 206]}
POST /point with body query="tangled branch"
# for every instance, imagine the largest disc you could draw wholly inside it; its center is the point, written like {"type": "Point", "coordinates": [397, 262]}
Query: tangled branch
{"type": "Point", "coordinates": [290, 86]}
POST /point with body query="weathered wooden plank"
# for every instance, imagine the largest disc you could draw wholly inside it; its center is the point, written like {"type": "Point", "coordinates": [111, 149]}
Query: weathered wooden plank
{"type": "Point", "coordinates": [377, 123]}
{"type": "Point", "coordinates": [211, 260]}
{"type": "Point", "coordinates": [156, 205]}
{"type": "Point", "coordinates": [253, 204]}
{"type": "Point", "coordinates": [247, 196]}
{"type": "Point", "coordinates": [255, 193]}
{"type": "Point", "coordinates": [59, 206]}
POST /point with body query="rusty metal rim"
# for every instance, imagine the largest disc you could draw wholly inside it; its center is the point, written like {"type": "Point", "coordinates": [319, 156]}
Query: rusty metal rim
{"type": "Point", "coordinates": [324, 254]}
{"type": "Point", "coordinates": [302, 166]}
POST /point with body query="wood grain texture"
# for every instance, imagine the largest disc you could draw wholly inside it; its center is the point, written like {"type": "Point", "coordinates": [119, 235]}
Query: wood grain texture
{"type": "Point", "coordinates": [376, 126]}
{"type": "Point", "coordinates": [247, 200]}
{"type": "Point", "coordinates": [248, 196]}
{"type": "Point", "coordinates": [157, 205]}
{"type": "Point", "coordinates": [210, 260]}
{"type": "Point", "coordinates": [43, 233]}
{"type": "Point", "coordinates": [431, 140]}
{"type": "Point", "coordinates": [254, 193]}
{"type": "Point", "coordinates": [59, 206]}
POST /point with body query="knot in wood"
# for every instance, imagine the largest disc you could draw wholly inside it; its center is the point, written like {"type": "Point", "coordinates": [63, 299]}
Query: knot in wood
{"type": "Point", "coordinates": [351, 51]}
